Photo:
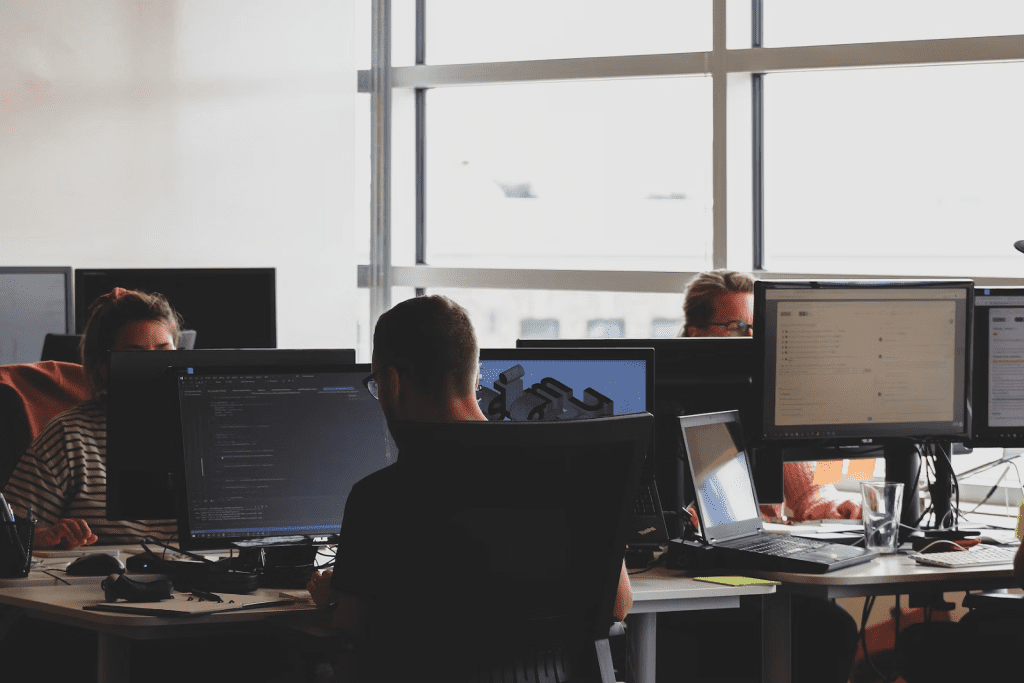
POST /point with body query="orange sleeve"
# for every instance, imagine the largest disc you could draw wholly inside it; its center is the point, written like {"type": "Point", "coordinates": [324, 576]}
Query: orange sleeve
{"type": "Point", "coordinates": [808, 500]}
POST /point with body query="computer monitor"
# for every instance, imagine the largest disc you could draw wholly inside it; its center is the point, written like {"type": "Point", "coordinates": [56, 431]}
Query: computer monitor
{"type": "Point", "coordinates": [863, 361]}
{"type": "Point", "coordinates": [230, 308]}
{"type": "Point", "coordinates": [693, 375]}
{"type": "Point", "coordinates": [998, 381]}
{"type": "Point", "coordinates": [144, 456]}
{"type": "Point", "coordinates": [558, 384]}
{"type": "Point", "coordinates": [34, 302]}
{"type": "Point", "coordinates": [271, 453]}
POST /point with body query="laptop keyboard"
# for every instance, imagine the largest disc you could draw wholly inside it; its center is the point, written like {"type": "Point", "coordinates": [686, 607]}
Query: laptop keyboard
{"type": "Point", "coordinates": [782, 546]}
{"type": "Point", "coordinates": [643, 504]}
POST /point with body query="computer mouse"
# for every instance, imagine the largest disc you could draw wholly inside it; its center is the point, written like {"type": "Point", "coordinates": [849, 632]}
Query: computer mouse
{"type": "Point", "coordinates": [96, 564]}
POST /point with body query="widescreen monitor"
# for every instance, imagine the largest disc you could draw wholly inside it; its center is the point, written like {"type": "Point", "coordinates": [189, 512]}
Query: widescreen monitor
{"type": "Point", "coordinates": [998, 380]}
{"type": "Point", "coordinates": [863, 361]}
{"type": "Point", "coordinates": [34, 302]}
{"type": "Point", "coordinates": [271, 454]}
{"type": "Point", "coordinates": [144, 456]}
{"type": "Point", "coordinates": [229, 308]}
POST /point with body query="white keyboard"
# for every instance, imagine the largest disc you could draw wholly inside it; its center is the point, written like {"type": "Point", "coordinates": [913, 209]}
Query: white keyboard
{"type": "Point", "coordinates": [977, 556]}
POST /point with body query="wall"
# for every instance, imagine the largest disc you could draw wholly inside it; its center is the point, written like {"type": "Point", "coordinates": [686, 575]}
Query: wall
{"type": "Point", "coordinates": [186, 133]}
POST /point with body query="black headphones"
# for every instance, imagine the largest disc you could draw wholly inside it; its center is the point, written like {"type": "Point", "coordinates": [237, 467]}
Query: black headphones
{"type": "Point", "coordinates": [120, 586]}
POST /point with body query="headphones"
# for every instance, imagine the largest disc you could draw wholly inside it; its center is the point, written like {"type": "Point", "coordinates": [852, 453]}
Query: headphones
{"type": "Point", "coordinates": [120, 586]}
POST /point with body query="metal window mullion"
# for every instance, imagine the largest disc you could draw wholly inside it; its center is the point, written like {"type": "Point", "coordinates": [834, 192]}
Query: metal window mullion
{"type": "Point", "coordinates": [757, 139]}
{"type": "Point", "coordinates": [421, 144]}
{"type": "Point", "coordinates": [380, 161]}
{"type": "Point", "coordinates": [719, 176]}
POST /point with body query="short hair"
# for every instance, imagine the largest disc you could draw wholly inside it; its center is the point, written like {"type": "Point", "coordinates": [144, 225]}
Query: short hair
{"type": "Point", "coordinates": [704, 289]}
{"type": "Point", "coordinates": [429, 340]}
{"type": "Point", "coordinates": [108, 314]}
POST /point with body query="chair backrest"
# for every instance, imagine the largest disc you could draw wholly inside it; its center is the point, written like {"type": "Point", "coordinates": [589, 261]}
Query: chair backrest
{"type": "Point", "coordinates": [535, 517]}
{"type": "Point", "coordinates": [62, 347]}
{"type": "Point", "coordinates": [31, 395]}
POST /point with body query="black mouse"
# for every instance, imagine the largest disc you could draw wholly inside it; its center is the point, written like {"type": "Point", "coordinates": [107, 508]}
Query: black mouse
{"type": "Point", "coordinates": [96, 564]}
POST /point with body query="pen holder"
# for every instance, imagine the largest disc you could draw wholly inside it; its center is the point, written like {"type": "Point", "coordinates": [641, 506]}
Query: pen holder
{"type": "Point", "coordinates": [16, 548]}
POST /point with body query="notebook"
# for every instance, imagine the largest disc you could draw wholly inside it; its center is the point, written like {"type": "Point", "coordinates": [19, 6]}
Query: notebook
{"type": "Point", "coordinates": [730, 517]}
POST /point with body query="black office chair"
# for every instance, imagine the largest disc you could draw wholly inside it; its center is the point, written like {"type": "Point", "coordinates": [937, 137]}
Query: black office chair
{"type": "Point", "coordinates": [62, 347]}
{"type": "Point", "coordinates": [533, 517]}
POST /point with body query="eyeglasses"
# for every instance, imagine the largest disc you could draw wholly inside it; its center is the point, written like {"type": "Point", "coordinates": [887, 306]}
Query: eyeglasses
{"type": "Point", "coordinates": [736, 328]}
{"type": "Point", "coordinates": [371, 385]}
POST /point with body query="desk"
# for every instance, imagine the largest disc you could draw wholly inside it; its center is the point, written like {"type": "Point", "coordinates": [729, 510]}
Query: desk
{"type": "Point", "coordinates": [663, 590]}
{"type": "Point", "coordinates": [887, 575]}
{"type": "Point", "coordinates": [63, 604]}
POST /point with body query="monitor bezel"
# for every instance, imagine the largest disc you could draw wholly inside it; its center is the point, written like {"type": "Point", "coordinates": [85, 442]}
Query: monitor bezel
{"type": "Point", "coordinates": [983, 436]}
{"type": "Point", "coordinates": [859, 434]}
{"type": "Point", "coordinates": [185, 538]}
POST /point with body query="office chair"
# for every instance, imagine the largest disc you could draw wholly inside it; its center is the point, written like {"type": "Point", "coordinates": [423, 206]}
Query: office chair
{"type": "Point", "coordinates": [31, 395]}
{"type": "Point", "coordinates": [534, 527]}
{"type": "Point", "coordinates": [62, 347]}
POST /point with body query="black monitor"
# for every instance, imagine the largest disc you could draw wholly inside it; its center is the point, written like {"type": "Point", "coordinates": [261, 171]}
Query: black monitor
{"type": "Point", "coordinates": [694, 375]}
{"type": "Point", "coordinates": [548, 384]}
{"type": "Point", "coordinates": [271, 453]}
{"type": "Point", "coordinates": [998, 382]}
{"type": "Point", "coordinates": [230, 308]}
{"type": "Point", "coordinates": [34, 302]}
{"type": "Point", "coordinates": [144, 457]}
{"type": "Point", "coordinates": [863, 361]}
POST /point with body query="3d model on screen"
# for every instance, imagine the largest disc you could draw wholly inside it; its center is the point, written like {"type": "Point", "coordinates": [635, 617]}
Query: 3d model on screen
{"type": "Point", "coordinates": [547, 400]}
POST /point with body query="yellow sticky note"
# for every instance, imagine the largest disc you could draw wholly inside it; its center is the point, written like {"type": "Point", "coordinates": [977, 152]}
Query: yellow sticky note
{"type": "Point", "coordinates": [1019, 531]}
{"type": "Point", "coordinates": [736, 580]}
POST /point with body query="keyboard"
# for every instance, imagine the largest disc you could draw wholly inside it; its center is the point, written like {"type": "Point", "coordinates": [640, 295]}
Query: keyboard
{"type": "Point", "coordinates": [977, 556]}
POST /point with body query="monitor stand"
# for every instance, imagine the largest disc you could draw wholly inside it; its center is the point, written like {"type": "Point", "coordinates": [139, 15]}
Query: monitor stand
{"type": "Point", "coordinates": [903, 464]}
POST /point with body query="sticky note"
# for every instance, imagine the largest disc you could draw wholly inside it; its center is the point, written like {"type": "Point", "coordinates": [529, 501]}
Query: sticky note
{"type": "Point", "coordinates": [1019, 530]}
{"type": "Point", "coordinates": [736, 580]}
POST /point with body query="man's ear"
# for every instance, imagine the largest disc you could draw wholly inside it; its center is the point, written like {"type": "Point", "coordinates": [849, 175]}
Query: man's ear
{"type": "Point", "coordinates": [394, 382]}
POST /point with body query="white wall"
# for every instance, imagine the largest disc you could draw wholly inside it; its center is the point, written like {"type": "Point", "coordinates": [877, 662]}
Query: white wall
{"type": "Point", "coordinates": [187, 133]}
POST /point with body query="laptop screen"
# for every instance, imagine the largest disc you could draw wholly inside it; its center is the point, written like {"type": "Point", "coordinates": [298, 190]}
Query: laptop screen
{"type": "Point", "coordinates": [726, 502]}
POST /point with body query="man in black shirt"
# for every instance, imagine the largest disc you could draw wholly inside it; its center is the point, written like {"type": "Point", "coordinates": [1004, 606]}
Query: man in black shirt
{"type": "Point", "coordinates": [425, 368]}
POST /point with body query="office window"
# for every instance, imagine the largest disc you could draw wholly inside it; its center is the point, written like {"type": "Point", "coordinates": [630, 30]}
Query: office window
{"type": "Point", "coordinates": [461, 31]}
{"type": "Point", "coordinates": [606, 328]}
{"type": "Point", "coordinates": [813, 22]}
{"type": "Point", "coordinates": [500, 316]}
{"type": "Point", "coordinates": [605, 175]}
{"type": "Point", "coordinates": [666, 328]}
{"type": "Point", "coordinates": [909, 171]}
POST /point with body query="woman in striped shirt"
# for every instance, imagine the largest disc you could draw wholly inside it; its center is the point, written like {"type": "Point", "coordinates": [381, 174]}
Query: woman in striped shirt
{"type": "Point", "coordinates": [62, 476]}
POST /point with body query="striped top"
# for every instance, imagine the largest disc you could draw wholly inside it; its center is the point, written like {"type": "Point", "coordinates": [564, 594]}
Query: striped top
{"type": "Point", "coordinates": [63, 474]}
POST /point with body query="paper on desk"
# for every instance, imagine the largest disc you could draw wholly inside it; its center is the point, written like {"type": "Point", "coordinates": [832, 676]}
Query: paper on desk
{"type": "Point", "coordinates": [180, 605]}
{"type": "Point", "coordinates": [736, 580]}
{"type": "Point", "coordinates": [808, 529]}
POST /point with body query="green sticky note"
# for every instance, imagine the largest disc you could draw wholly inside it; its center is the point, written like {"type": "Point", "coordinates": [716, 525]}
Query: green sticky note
{"type": "Point", "coordinates": [736, 580]}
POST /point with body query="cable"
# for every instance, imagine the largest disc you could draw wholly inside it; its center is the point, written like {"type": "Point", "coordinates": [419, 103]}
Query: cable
{"type": "Point", "coordinates": [869, 604]}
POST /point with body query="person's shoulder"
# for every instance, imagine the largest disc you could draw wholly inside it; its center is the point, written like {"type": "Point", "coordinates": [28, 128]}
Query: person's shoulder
{"type": "Point", "coordinates": [382, 478]}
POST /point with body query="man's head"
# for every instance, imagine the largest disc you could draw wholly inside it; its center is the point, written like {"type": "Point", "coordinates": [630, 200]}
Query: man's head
{"type": "Point", "coordinates": [714, 299]}
{"type": "Point", "coordinates": [425, 356]}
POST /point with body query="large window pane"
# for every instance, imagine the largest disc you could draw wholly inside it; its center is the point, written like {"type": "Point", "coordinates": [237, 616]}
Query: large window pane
{"type": "Point", "coordinates": [895, 171]}
{"type": "Point", "coordinates": [813, 22]}
{"type": "Point", "coordinates": [609, 175]}
{"type": "Point", "coordinates": [502, 316]}
{"type": "Point", "coordinates": [465, 31]}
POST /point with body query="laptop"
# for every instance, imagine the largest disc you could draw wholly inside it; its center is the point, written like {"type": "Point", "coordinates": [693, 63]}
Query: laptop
{"type": "Point", "coordinates": [730, 517]}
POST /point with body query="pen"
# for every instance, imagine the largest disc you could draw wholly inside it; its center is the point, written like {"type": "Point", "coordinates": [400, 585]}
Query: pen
{"type": "Point", "coordinates": [207, 596]}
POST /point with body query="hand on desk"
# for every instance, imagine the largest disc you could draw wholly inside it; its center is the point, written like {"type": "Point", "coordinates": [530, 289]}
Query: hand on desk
{"type": "Point", "coordinates": [319, 587]}
{"type": "Point", "coordinates": [65, 534]}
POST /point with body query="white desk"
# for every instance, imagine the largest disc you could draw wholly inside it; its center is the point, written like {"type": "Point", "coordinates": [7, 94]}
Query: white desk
{"type": "Point", "coordinates": [63, 604]}
{"type": "Point", "coordinates": [663, 590]}
{"type": "Point", "coordinates": [887, 575]}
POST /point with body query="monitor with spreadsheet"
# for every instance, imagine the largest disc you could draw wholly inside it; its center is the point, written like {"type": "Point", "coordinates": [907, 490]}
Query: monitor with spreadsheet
{"type": "Point", "coordinates": [998, 382]}
{"type": "Point", "coordinates": [272, 453]}
{"type": "Point", "coordinates": [34, 302]}
{"type": "Point", "coordinates": [856, 361]}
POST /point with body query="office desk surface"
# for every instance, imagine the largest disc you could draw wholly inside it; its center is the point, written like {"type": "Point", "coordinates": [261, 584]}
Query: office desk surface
{"type": "Point", "coordinates": [671, 590]}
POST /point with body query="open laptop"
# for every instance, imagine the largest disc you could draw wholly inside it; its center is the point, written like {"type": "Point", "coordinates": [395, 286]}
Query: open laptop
{"type": "Point", "coordinates": [730, 517]}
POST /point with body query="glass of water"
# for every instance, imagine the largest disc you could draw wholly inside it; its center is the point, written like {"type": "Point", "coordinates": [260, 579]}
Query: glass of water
{"type": "Point", "coordinates": [882, 504]}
